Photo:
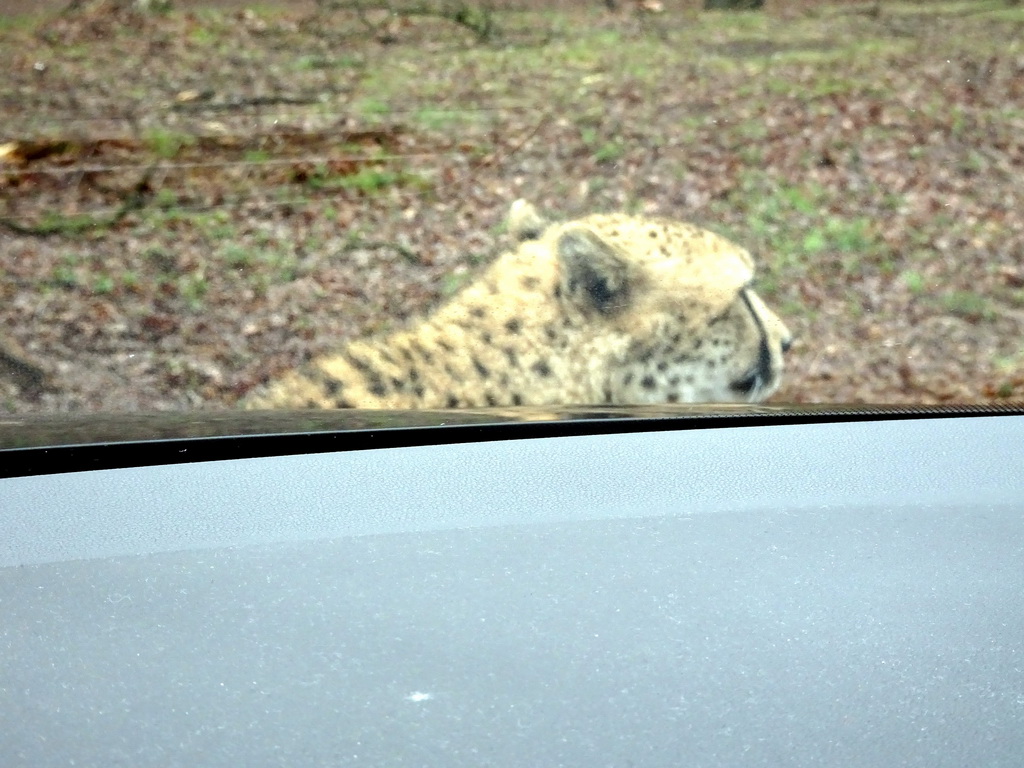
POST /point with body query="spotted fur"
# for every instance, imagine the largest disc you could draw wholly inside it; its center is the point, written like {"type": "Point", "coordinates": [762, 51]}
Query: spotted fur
{"type": "Point", "coordinates": [607, 309]}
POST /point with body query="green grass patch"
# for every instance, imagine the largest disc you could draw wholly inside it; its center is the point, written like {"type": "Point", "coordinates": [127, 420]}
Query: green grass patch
{"type": "Point", "coordinates": [434, 119]}
{"type": "Point", "coordinates": [10, 23]}
{"type": "Point", "coordinates": [968, 305]}
{"type": "Point", "coordinates": [64, 276]}
{"type": "Point", "coordinates": [850, 235]}
{"type": "Point", "coordinates": [854, 307]}
{"type": "Point", "coordinates": [915, 282]}
{"type": "Point", "coordinates": [204, 36]}
{"type": "Point", "coordinates": [129, 280]}
{"type": "Point", "coordinates": [69, 226]}
{"type": "Point", "coordinates": [586, 51]}
{"type": "Point", "coordinates": [956, 8]}
{"type": "Point", "coordinates": [367, 180]}
{"type": "Point", "coordinates": [1016, 298]}
{"type": "Point", "coordinates": [262, 266]}
{"type": "Point", "coordinates": [453, 282]}
{"type": "Point", "coordinates": [606, 151]}
{"type": "Point", "coordinates": [165, 198]}
{"type": "Point", "coordinates": [814, 242]}
{"type": "Point", "coordinates": [1011, 363]}
{"type": "Point", "coordinates": [794, 229]}
{"type": "Point", "coordinates": [372, 108]}
{"type": "Point", "coordinates": [216, 225]}
{"type": "Point", "coordinates": [166, 143]}
{"type": "Point", "coordinates": [103, 285]}
{"type": "Point", "coordinates": [311, 62]}
{"type": "Point", "coordinates": [1007, 14]}
{"type": "Point", "coordinates": [193, 288]}
{"type": "Point", "coordinates": [609, 153]}
{"type": "Point", "coordinates": [238, 256]}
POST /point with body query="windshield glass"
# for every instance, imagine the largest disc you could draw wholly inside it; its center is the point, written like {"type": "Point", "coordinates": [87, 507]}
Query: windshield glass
{"type": "Point", "coordinates": [466, 203]}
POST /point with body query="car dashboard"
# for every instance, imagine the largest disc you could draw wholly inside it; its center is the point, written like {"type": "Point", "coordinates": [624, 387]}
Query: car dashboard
{"type": "Point", "coordinates": [762, 588]}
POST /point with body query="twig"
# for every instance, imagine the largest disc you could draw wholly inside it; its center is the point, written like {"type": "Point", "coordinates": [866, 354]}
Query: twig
{"type": "Point", "coordinates": [17, 366]}
{"type": "Point", "coordinates": [357, 244]}
{"type": "Point", "coordinates": [488, 161]}
{"type": "Point", "coordinates": [259, 101]}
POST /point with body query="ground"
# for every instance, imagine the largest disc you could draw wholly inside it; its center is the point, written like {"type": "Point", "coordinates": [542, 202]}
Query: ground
{"type": "Point", "coordinates": [194, 202]}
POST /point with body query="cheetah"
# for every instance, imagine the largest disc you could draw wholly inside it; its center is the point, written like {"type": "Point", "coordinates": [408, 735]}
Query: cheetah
{"type": "Point", "coordinates": [607, 309]}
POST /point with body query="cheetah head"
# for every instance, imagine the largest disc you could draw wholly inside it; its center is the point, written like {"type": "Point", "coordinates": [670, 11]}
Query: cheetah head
{"type": "Point", "coordinates": [668, 308]}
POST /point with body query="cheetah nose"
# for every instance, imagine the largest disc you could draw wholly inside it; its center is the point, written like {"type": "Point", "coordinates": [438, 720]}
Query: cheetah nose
{"type": "Point", "coordinates": [787, 344]}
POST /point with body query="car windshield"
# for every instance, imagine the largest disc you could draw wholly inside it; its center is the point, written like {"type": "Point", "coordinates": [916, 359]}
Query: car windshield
{"type": "Point", "coordinates": [213, 205]}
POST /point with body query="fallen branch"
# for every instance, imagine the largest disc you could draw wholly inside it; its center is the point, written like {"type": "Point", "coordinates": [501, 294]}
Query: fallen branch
{"type": "Point", "coordinates": [136, 200]}
{"type": "Point", "coordinates": [477, 16]}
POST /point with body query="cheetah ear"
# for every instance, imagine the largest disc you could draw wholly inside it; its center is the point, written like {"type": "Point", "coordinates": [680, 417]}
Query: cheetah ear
{"type": "Point", "coordinates": [594, 274]}
{"type": "Point", "coordinates": [524, 222]}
